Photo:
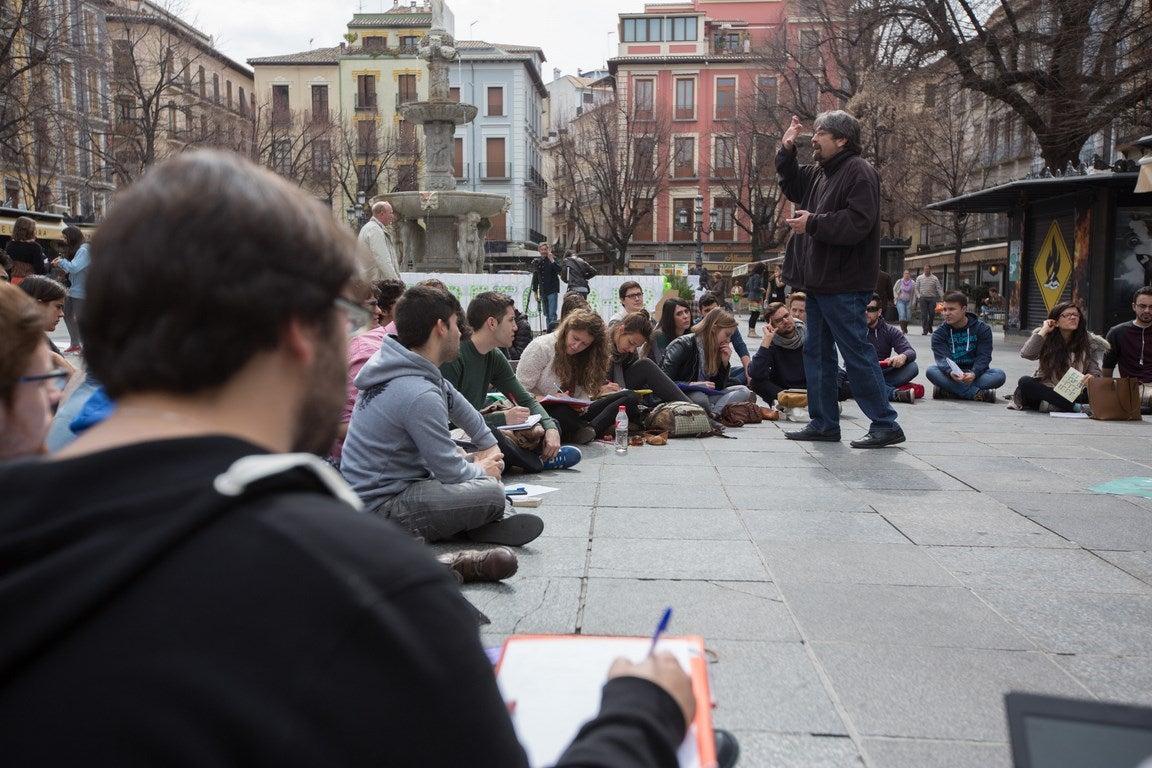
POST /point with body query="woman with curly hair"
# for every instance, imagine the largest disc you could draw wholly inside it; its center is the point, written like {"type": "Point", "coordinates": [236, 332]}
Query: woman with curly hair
{"type": "Point", "coordinates": [701, 359]}
{"type": "Point", "coordinates": [1062, 342]}
{"type": "Point", "coordinates": [573, 361]}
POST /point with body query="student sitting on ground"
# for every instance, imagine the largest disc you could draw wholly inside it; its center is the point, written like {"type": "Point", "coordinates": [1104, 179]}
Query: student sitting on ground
{"type": "Point", "coordinates": [399, 456]}
{"type": "Point", "coordinates": [1061, 342]}
{"type": "Point", "coordinates": [707, 303]}
{"type": "Point", "coordinates": [897, 357]}
{"type": "Point", "coordinates": [675, 321]}
{"type": "Point", "coordinates": [966, 340]}
{"type": "Point", "coordinates": [700, 359]}
{"type": "Point", "coordinates": [779, 362]}
{"type": "Point", "coordinates": [573, 362]}
{"type": "Point", "coordinates": [480, 369]}
{"type": "Point", "coordinates": [629, 370]}
{"type": "Point", "coordinates": [522, 338]}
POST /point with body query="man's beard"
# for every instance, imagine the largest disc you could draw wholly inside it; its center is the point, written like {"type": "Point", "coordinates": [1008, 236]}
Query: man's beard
{"type": "Point", "coordinates": [319, 412]}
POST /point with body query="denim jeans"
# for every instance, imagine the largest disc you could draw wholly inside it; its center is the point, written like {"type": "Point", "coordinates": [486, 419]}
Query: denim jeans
{"type": "Point", "coordinates": [714, 401]}
{"type": "Point", "coordinates": [904, 310]}
{"type": "Point", "coordinates": [942, 377]}
{"type": "Point", "coordinates": [836, 320]}
{"type": "Point", "coordinates": [550, 300]}
{"type": "Point", "coordinates": [896, 377]}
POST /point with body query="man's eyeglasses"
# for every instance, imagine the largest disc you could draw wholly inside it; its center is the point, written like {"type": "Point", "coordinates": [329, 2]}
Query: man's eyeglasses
{"type": "Point", "coordinates": [1143, 307]}
{"type": "Point", "coordinates": [355, 315]}
{"type": "Point", "coordinates": [59, 377]}
{"type": "Point", "coordinates": [871, 308]}
{"type": "Point", "coordinates": [634, 295]}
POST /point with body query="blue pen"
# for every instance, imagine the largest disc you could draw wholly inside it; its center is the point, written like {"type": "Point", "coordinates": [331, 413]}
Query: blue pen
{"type": "Point", "coordinates": [663, 625]}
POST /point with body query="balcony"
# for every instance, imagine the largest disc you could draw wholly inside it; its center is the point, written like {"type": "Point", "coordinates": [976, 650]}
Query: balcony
{"type": "Point", "coordinates": [536, 182]}
{"type": "Point", "coordinates": [365, 102]}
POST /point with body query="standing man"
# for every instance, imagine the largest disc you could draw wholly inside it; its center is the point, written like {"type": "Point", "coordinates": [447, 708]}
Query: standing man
{"type": "Point", "coordinates": [546, 283]}
{"type": "Point", "coordinates": [577, 272]}
{"type": "Point", "coordinates": [836, 257]}
{"type": "Point", "coordinates": [929, 291]}
{"type": "Point", "coordinates": [377, 257]}
{"type": "Point", "coordinates": [1131, 347]}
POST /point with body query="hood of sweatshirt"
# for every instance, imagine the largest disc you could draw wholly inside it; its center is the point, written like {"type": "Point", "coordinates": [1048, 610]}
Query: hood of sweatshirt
{"type": "Point", "coordinates": [393, 361]}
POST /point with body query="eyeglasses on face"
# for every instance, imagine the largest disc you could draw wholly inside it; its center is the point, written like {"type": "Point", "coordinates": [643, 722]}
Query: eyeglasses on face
{"type": "Point", "coordinates": [1143, 307]}
{"type": "Point", "coordinates": [1069, 315]}
{"type": "Point", "coordinates": [58, 377]}
{"type": "Point", "coordinates": [355, 315]}
{"type": "Point", "coordinates": [634, 295]}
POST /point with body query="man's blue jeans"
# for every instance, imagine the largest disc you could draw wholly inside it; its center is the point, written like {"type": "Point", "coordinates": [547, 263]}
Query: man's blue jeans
{"type": "Point", "coordinates": [942, 377]}
{"type": "Point", "coordinates": [836, 320]}
{"type": "Point", "coordinates": [550, 300]}
{"type": "Point", "coordinates": [897, 377]}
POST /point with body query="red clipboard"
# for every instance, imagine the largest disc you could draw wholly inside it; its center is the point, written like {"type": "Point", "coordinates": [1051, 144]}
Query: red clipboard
{"type": "Point", "coordinates": [555, 680]}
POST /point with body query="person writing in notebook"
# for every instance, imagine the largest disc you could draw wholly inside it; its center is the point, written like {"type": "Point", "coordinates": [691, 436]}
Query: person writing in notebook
{"type": "Point", "coordinates": [215, 596]}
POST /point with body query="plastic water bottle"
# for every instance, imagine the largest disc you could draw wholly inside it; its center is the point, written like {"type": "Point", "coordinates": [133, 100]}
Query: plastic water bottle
{"type": "Point", "coordinates": [621, 430]}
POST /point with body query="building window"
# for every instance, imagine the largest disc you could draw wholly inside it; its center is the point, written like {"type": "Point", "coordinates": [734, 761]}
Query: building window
{"type": "Point", "coordinates": [643, 105]}
{"type": "Point", "coordinates": [725, 208]}
{"type": "Point", "coordinates": [495, 101]}
{"type": "Point", "coordinates": [454, 94]}
{"type": "Point", "coordinates": [215, 88]}
{"type": "Point", "coordinates": [281, 115]}
{"type": "Point", "coordinates": [406, 89]}
{"type": "Point", "coordinates": [228, 93]}
{"type": "Point", "coordinates": [499, 229]}
{"type": "Point", "coordinates": [687, 205]}
{"type": "Point", "coordinates": [644, 157]}
{"type": "Point", "coordinates": [282, 157]}
{"type": "Point", "coordinates": [321, 156]}
{"type": "Point", "coordinates": [366, 137]}
{"type": "Point", "coordinates": [319, 104]}
{"type": "Point", "coordinates": [725, 98]}
{"type": "Point", "coordinates": [241, 103]}
{"type": "Point", "coordinates": [684, 157]}
{"type": "Point", "coordinates": [202, 82]}
{"type": "Point", "coordinates": [458, 158]}
{"type": "Point", "coordinates": [125, 109]}
{"type": "Point", "coordinates": [495, 166]}
{"type": "Point", "coordinates": [654, 29]}
{"type": "Point", "coordinates": [809, 93]}
{"type": "Point", "coordinates": [723, 156]}
{"type": "Point", "coordinates": [409, 43]}
{"type": "Point", "coordinates": [121, 59]}
{"type": "Point", "coordinates": [366, 92]}
{"type": "Point", "coordinates": [375, 42]}
{"type": "Point", "coordinates": [684, 28]}
{"type": "Point", "coordinates": [685, 99]}
{"type": "Point", "coordinates": [366, 177]}
{"type": "Point", "coordinates": [406, 178]}
{"type": "Point", "coordinates": [186, 73]}
{"type": "Point", "coordinates": [809, 47]}
{"type": "Point", "coordinates": [767, 93]}
{"type": "Point", "coordinates": [643, 230]}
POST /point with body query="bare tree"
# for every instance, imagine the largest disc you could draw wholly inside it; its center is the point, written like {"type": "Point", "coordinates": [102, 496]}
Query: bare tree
{"type": "Point", "coordinates": [1068, 68]}
{"type": "Point", "coordinates": [295, 144]}
{"type": "Point", "coordinates": [610, 168]}
{"type": "Point", "coordinates": [367, 157]}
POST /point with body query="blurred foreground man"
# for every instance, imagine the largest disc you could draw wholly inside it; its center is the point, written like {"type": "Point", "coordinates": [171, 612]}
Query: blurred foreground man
{"type": "Point", "coordinates": [180, 587]}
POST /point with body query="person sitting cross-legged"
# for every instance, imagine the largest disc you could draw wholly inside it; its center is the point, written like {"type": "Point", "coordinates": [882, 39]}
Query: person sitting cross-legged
{"type": "Point", "coordinates": [399, 456]}
{"type": "Point", "coordinates": [966, 340]}
{"type": "Point", "coordinates": [700, 359]}
{"type": "Point", "coordinates": [1061, 342]}
{"type": "Point", "coordinates": [897, 357]}
{"type": "Point", "coordinates": [779, 362]}
{"type": "Point", "coordinates": [481, 367]}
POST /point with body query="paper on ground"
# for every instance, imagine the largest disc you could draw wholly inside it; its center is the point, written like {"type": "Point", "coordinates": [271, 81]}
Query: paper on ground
{"type": "Point", "coordinates": [529, 490]}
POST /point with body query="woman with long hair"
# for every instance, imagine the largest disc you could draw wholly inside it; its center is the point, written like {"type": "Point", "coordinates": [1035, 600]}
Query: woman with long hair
{"type": "Point", "coordinates": [904, 290]}
{"type": "Point", "coordinates": [700, 360]}
{"type": "Point", "coordinates": [755, 291]}
{"type": "Point", "coordinates": [49, 296]}
{"type": "Point", "coordinates": [76, 267]}
{"type": "Point", "coordinates": [573, 361]}
{"type": "Point", "coordinates": [629, 369]}
{"type": "Point", "coordinates": [675, 321]}
{"type": "Point", "coordinates": [1062, 342]}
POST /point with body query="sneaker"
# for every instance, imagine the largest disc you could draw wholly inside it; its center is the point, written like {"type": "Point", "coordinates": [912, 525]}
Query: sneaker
{"type": "Point", "coordinates": [985, 396]}
{"type": "Point", "coordinates": [72, 350]}
{"type": "Point", "coordinates": [939, 393]}
{"type": "Point", "coordinates": [903, 396]}
{"type": "Point", "coordinates": [511, 531]}
{"type": "Point", "coordinates": [584, 435]}
{"type": "Point", "coordinates": [568, 456]}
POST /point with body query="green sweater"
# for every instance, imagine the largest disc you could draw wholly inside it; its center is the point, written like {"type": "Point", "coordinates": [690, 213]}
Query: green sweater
{"type": "Point", "coordinates": [474, 375]}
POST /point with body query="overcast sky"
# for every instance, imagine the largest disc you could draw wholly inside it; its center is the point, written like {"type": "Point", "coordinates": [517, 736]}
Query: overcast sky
{"type": "Point", "coordinates": [573, 36]}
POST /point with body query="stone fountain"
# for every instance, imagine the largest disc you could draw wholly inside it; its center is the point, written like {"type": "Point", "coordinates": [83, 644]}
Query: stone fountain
{"type": "Point", "coordinates": [454, 223]}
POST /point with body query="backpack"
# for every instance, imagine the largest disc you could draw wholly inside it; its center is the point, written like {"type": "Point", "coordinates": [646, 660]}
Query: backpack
{"type": "Point", "coordinates": [680, 419]}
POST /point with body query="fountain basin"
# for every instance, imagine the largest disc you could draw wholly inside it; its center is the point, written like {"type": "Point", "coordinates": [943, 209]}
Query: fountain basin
{"type": "Point", "coordinates": [418, 205]}
{"type": "Point", "coordinates": [424, 112]}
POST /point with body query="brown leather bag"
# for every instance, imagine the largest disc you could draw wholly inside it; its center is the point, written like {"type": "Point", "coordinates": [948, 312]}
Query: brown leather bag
{"type": "Point", "coordinates": [1114, 399]}
{"type": "Point", "coordinates": [741, 413]}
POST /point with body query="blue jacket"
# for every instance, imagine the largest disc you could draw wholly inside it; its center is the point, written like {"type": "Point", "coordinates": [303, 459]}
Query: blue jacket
{"type": "Point", "coordinates": [970, 346]}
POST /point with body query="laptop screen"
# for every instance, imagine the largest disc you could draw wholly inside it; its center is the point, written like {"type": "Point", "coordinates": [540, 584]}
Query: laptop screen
{"type": "Point", "coordinates": [1051, 732]}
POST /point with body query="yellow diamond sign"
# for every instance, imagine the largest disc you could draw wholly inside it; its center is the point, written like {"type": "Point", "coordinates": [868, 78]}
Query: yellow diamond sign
{"type": "Point", "coordinates": [1053, 266]}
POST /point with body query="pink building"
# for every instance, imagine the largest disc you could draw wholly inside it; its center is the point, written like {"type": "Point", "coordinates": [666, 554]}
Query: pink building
{"type": "Point", "coordinates": [707, 76]}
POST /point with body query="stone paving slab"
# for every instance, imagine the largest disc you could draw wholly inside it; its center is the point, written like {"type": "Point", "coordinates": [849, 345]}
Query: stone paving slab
{"type": "Point", "coordinates": [862, 608]}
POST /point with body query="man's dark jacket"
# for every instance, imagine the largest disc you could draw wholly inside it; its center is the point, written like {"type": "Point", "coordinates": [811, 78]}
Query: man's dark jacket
{"type": "Point", "coordinates": [840, 249]}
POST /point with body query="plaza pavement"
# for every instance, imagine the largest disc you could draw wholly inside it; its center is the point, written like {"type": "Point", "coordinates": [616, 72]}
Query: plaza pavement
{"type": "Point", "coordinates": [863, 607]}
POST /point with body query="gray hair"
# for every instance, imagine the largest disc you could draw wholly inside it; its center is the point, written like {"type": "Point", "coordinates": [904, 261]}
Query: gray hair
{"type": "Point", "coordinates": [842, 126]}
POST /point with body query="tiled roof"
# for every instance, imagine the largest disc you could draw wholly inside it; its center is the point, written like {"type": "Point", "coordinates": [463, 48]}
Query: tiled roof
{"type": "Point", "coordinates": [400, 19]}
{"type": "Point", "coordinates": [315, 56]}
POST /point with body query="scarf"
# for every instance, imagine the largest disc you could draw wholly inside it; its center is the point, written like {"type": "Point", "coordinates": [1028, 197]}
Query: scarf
{"type": "Point", "coordinates": [795, 341]}
{"type": "Point", "coordinates": [906, 286]}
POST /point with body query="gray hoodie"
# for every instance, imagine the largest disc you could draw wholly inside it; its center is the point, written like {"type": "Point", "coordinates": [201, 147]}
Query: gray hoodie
{"type": "Point", "coordinates": [399, 429]}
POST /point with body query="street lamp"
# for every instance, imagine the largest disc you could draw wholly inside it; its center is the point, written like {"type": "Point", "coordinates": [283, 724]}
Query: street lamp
{"type": "Point", "coordinates": [355, 213]}
{"type": "Point", "coordinates": [699, 228]}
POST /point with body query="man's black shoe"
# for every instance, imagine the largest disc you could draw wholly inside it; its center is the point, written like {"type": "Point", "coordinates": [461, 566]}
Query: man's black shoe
{"type": "Point", "coordinates": [511, 531]}
{"type": "Point", "coordinates": [811, 434]}
{"type": "Point", "coordinates": [879, 439]}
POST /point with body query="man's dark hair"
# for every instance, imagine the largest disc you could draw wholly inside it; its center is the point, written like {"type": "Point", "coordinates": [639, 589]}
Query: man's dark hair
{"type": "Point", "coordinates": [876, 298]}
{"type": "Point", "coordinates": [1145, 291]}
{"type": "Point", "coordinates": [389, 289]}
{"type": "Point", "coordinates": [955, 297]}
{"type": "Point", "coordinates": [626, 286]}
{"type": "Point", "coordinates": [418, 310]}
{"type": "Point", "coordinates": [198, 267]}
{"type": "Point", "coordinates": [486, 305]}
{"type": "Point", "coordinates": [708, 298]}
